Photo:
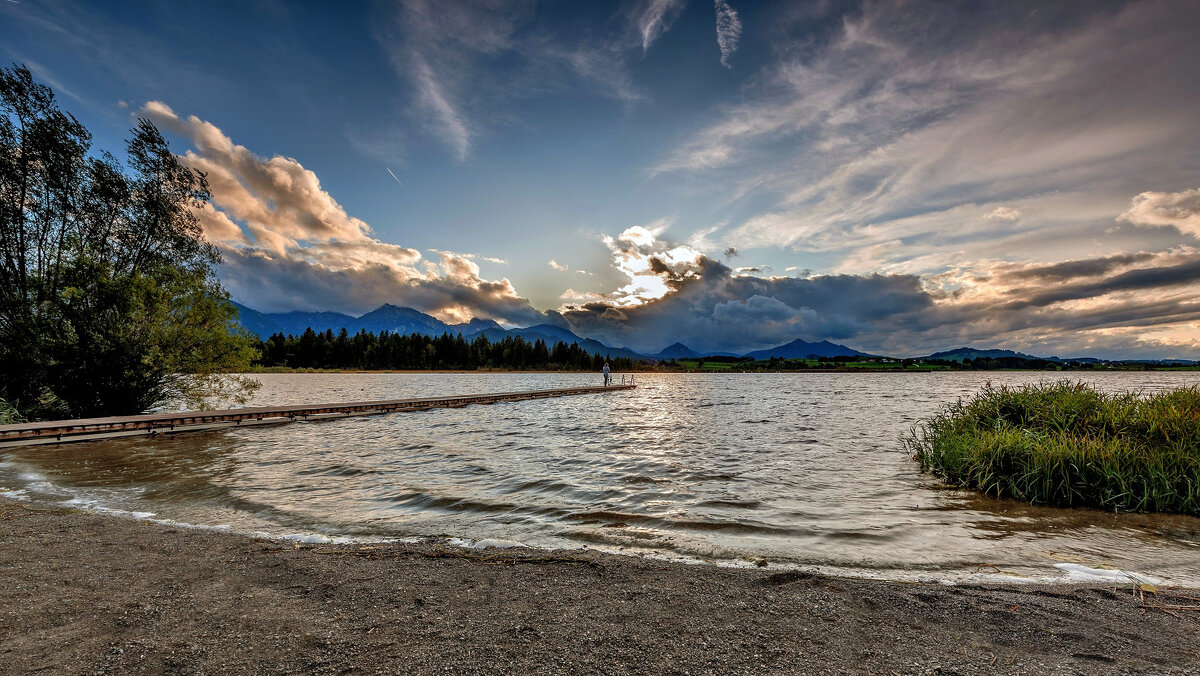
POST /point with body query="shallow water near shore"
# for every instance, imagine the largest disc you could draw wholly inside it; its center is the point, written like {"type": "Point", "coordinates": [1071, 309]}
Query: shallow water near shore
{"type": "Point", "coordinates": [795, 469]}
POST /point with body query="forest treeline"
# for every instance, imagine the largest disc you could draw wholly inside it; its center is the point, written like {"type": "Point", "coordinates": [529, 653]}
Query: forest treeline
{"type": "Point", "coordinates": [395, 351]}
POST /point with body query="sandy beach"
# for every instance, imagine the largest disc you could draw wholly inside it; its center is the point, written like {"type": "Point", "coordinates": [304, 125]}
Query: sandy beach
{"type": "Point", "coordinates": [94, 593]}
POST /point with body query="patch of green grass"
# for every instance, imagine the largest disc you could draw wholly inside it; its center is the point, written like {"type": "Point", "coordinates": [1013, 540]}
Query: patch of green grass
{"type": "Point", "coordinates": [9, 414]}
{"type": "Point", "coordinates": [709, 365]}
{"type": "Point", "coordinates": [1069, 444]}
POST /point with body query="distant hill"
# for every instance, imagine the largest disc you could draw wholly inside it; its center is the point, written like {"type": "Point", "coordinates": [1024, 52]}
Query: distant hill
{"type": "Point", "coordinates": [675, 351]}
{"type": "Point", "coordinates": [802, 349]}
{"type": "Point", "coordinates": [961, 353]}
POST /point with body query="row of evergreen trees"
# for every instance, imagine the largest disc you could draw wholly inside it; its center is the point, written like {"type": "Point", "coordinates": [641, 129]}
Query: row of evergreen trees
{"type": "Point", "coordinates": [394, 351]}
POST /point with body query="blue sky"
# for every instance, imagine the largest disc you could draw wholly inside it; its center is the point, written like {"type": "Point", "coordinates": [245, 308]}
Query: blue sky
{"type": "Point", "coordinates": [897, 176]}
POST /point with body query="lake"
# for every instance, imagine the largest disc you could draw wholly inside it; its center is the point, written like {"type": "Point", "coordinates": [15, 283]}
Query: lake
{"type": "Point", "coordinates": [800, 469]}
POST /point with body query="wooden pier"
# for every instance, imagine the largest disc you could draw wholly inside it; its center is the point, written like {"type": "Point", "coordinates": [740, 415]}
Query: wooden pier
{"type": "Point", "coordinates": [91, 429]}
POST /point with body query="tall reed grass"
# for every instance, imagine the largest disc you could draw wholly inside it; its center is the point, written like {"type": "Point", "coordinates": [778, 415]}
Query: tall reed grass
{"type": "Point", "coordinates": [1070, 444]}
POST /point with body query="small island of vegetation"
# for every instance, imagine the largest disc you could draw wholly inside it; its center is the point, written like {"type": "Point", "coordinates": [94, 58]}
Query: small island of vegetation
{"type": "Point", "coordinates": [1069, 444]}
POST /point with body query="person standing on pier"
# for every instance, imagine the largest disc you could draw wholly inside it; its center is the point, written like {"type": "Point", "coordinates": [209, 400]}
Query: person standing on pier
{"type": "Point", "coordinates": [607, 377]}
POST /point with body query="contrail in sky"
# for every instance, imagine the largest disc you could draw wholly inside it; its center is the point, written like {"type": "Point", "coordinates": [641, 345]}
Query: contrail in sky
{"type": "Point", "coordinates": [389, 169]}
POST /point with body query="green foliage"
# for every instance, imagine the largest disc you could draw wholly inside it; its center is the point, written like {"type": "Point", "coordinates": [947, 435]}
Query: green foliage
{"type": "Point", "coordinates": [9, 414]}
{"type": "Point", "coordinates": [1070, 444]}
{"type": "Point", "coordinates": [108, 303]}
{"type": "Point", "coordinates": [394, 351]}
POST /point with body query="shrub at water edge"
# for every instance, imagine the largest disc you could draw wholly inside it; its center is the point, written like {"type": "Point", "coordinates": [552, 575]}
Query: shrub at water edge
{"type": "Point", "coordinates": [109, 300]}
{"type": "Point", "coordinates": [1069, 444]}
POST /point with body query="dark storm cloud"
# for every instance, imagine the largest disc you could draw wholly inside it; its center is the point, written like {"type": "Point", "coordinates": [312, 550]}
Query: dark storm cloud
{"type": "Point", "coordinates": [711, 307]}
{"type": "Point", "coordinates": [1187, 273]}
{"type": "Point", "coordinates": [1082, 268]}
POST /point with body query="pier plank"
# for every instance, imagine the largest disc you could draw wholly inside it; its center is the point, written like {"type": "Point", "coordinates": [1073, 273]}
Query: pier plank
{"type": "Point", "coordinates": [90, 429]}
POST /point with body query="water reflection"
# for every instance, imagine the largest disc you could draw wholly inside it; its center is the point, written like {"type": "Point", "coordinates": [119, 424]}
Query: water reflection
{"type": "Point", "coordinates": [796, 468]}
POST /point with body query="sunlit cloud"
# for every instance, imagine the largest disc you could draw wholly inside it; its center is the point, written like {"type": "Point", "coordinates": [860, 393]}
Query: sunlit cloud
{"type": "Point", "coordinates": [1177, 209]}
{"type": "Point", "coordinates": [575, 297]}
{"type": "Point", "coordinates": [652, 266]}
{"type": "Point", "coordinates": [1003, 214]}
{"type": "Point", "coordinates": [289, 245]}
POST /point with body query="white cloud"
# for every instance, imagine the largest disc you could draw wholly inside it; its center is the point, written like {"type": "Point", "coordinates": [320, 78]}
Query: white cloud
{"type": "Point", "coordinates": [729, 30]}
{"type": "Point", "coordinates": [573, 296]}
{"type": "Point", "coordinates": [555, 265]}
{"type": "Point", "coordinates": [651, 266]}
{"type": "Point", "coordinates": [1003, 214]}
{"type": "Point", "coordinates": [1178, 209]}
{"type": "Point", "coordinates": [655, 18]}
{"type": "Point", "coordinates": [447, 122]}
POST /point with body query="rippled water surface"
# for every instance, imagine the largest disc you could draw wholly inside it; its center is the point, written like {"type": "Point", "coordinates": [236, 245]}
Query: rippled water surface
{"type": "Point", "coordinates": [797, 469]}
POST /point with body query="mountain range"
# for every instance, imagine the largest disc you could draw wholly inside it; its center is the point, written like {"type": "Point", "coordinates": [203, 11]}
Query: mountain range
{"type": "Point", "coordinates": [386, 317]}
{"type": "Point", "coordinates": [406, 320]}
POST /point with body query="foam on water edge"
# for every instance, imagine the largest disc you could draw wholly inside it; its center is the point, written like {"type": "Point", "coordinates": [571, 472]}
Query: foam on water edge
{"type": "Point", "coordinates": [1070, 573]}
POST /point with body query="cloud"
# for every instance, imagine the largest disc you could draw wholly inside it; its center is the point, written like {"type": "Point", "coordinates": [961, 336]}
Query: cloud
{"type": "Point", "coordinates": [471, 256]}
{"type": "Point", "coordinates": [654, 18]}
{"type": "Point", "coordinates": [581, 296]}
{"type": "Point", "coordinates": [1071, 269]}
{"type": "Point", "coordinates": [466, 62]}
{"type": "Point", "coordinates": [288, 244]}
{"type": "Point", "coordinates": [1178, 209]}
{"type": "Point", "coordinates": [729, 31]}
{"type": "Point", "coordinates": [555, 265]}
{"type": "Point", "coordinates": [751, 269]}
{"type": "Point", "coordinates": [1121, 305]}
{"type": "Point", "coordinates": [1003, 214]}
{"type": "Point", "coordinates": [931, 135]}
{"type": "Point", "coordinates": [651, 266]}
{"type": "Point", "coordinates": [281, 202]}
{"type": "Point", "coordinates": [447, 121]}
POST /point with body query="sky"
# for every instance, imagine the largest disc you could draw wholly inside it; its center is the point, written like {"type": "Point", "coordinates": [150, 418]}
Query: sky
{"type": "Point", "coordinates": [899, 177]}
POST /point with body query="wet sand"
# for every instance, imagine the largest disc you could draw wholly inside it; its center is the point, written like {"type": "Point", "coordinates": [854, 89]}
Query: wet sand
{"type": "Point", "coordinates": [91, 593]}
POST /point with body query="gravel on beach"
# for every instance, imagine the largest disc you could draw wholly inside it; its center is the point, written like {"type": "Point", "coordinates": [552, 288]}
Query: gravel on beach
{"type": "Point", "coordinates": [87, 593]}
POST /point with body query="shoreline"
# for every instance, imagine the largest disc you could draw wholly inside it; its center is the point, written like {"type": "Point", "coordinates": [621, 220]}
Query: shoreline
{"type": "Point", "coordinates": [90, 592]}
{"type": "Point", "coordinates": [1061, 374]}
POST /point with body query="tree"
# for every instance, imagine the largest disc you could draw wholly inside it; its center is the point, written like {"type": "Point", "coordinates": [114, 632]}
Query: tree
{"type": "Point", "coordinates": [108, 300]}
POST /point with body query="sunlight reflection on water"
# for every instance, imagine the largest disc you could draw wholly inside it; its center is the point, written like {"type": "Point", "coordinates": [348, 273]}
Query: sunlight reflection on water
{"type": "Point", "coordinates": [801, 469]}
